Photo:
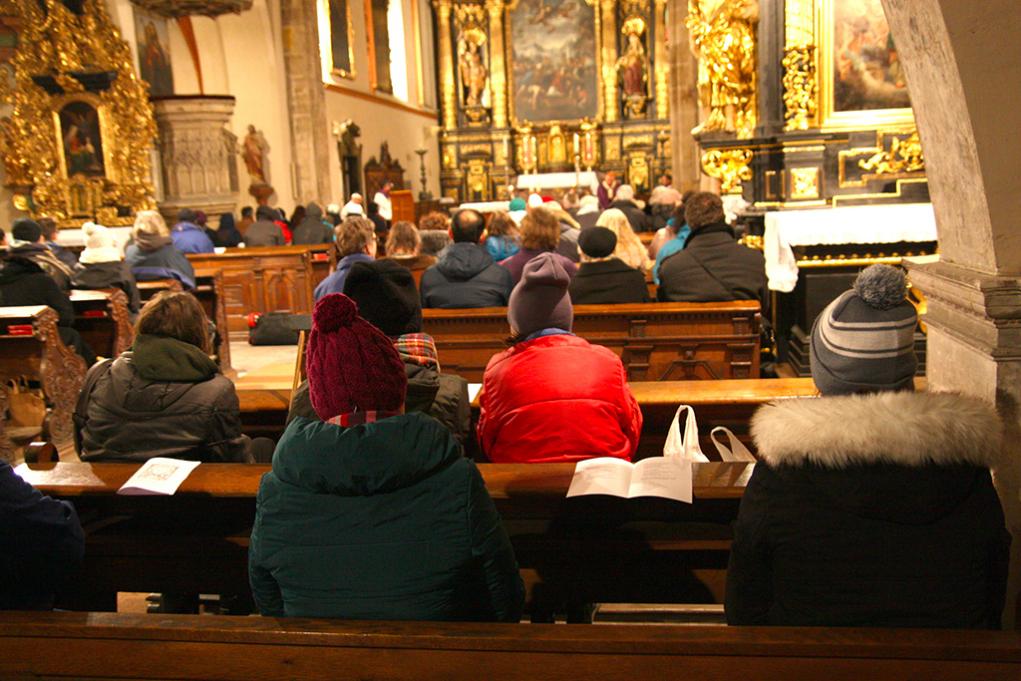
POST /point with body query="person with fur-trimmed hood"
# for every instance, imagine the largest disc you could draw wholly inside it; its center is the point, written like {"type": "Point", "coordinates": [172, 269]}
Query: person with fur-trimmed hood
{"type": "Point", "coordinates": [872, 506]}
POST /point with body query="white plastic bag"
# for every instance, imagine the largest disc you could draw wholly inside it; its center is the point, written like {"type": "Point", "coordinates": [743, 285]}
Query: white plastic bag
{"type": "Point", "coordinates": [684, 446]}
{"type": "Point", "coordinates": [736, 451]}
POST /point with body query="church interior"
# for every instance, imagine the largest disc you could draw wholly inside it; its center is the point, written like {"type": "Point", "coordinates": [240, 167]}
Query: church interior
{"type": "Point", "coordinates": [453, 339]}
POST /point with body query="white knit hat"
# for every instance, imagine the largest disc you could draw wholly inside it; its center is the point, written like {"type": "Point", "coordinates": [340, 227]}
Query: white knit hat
{"type": "Point", "coordinates": [100, 245]}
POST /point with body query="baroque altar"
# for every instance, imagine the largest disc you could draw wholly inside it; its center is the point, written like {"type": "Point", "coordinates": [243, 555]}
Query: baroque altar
{"type": "Point", "coordinates": [551, 86]}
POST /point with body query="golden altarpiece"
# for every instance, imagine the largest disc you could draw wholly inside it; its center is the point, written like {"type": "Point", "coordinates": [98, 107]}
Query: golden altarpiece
{"type": "Point", "coordinates": [546, 86]}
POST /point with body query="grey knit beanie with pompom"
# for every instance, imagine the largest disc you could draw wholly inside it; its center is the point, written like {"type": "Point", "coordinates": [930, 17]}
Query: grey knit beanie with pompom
{"type": "Point", "coordinates": [864, 340]}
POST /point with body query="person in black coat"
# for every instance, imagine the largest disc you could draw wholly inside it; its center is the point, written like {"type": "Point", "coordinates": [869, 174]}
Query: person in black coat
{"type": "Point", "coordinates": [41, 544]}
{"type": "Point", "coordinates": [872, 506]}
{"type": "Point", "coordinates": [102, 265]}
{"type": "Point", "coordinates": [624, 201]}
{"type": "Point", "coordinates": [603, 279]}
{"type": "Point", "coordinates": [226, 235]}
{"type": "Point", "coordinates": [713, 267]}
{"type": "Point", "coordinates": [466, 276]}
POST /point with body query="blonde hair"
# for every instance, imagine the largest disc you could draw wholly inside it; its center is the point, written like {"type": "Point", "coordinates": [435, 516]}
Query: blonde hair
{"type": "Point", "coordinates": [150, 222]}
{"type": "Point", "coordinates": [629, 247]}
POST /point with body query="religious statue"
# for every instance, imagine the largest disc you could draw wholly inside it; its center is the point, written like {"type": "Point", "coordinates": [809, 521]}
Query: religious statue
{"type": "Point", "coordinates": [632, 69]}
{"type": "Point", "coordinates": [253, 151]}
{"type": "Point", "coordinates": [723, 40]}
{"type": "Point", "coordinates": [474, 74]}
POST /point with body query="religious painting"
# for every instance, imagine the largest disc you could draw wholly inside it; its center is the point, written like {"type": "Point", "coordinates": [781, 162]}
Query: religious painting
{"type": "Point", "coordinates": [554, 69]}
{"type": "Point", "coordinates": [341, 57]}
{"type": "Point", "coordinates": [379, 29]}
{"type": "Point", "coordinates": [154, 53]}
{"type": "Point", "coordinates": [81, 139]}
{"type": "Point", "coordinates": [866, 84]}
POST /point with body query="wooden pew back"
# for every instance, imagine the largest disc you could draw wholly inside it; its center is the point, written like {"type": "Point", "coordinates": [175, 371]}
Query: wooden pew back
{"type": "Point", "coordinates": [198, 647]}
{"type": "Point", "coordinates": [103, 320]}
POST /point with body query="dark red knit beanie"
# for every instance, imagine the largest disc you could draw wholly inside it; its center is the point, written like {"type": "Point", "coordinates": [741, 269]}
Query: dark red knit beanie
{"type": "Point", "coordinates": [351, 365]}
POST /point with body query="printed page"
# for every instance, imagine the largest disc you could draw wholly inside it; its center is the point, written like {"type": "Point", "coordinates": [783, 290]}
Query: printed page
{"type": "Point", "coordinates": [605, 475]}
{"type": "Point", "coordinates": [473, 391]}
{"type": "Point", "coordinates": [158, 476]}
{"type": "Point", "coordinates": [662, 476]}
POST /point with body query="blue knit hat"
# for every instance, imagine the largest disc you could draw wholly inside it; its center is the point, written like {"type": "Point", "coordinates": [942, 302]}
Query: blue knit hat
{"type": "Point", "coordinates": [864, 341]}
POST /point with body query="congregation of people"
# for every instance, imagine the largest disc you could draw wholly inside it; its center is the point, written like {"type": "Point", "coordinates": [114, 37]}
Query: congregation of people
{"type": "Point", "coordinates": [371, 510]}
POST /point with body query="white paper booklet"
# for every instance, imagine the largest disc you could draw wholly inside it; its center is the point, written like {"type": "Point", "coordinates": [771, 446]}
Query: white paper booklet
{"type": "Point", "coordinates": [473, 391]}
{"type": "Point", "coordinates": [658, 476]}
{"type": "Point", "coordinates": [158, 476]}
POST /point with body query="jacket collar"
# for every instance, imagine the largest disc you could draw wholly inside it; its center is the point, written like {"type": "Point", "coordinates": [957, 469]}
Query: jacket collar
{"type": "Point", "coordinates": [716, 228]}
{"type": "Point", "coordinates": [901, 428]}
{"type": "Point", "coordinates": [611, 265]}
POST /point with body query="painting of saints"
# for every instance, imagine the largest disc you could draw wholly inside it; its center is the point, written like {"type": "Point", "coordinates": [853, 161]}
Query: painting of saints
{"type": "Point", "coordinates": [867, 73]}
{"type": "Point", "coordinates": [82, 140]}
{"type": "Point", "coordinates": [153, 53]}
{"type": "Point", "coordinates": [553, 64]}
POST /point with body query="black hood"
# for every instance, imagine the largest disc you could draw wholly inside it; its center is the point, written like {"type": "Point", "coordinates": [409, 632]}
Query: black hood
{"type": "Point", "coordinates": [14, 268]}
{"type": "Point", "coordinates": [463, 261]}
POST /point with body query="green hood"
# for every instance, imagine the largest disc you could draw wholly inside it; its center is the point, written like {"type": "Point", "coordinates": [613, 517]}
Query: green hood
{"type": "Point", "coordinates": [158, 358]}
{"type": "Point", "coordinates": [374, 458]}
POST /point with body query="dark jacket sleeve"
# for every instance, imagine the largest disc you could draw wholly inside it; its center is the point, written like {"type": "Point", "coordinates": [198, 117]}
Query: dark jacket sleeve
{"type": "Point", "coordinates": [80, 417]}
{"type": "Point", "coordinates": [265, 589]}
{"type": "Point", "coordinates": [226, 443]}
{"type": "Point", "coordinates": [130, 287]}
{"type": "Point", "coordinates": [58, 300]}
{"type": "Point", "coordinates": [749, 594]}
{"type": "Point", "coordinates": [452, 408]}
{"type": "Point", "coordinates": [301, 404]}
{"type": "Point", "coordinates": [492, 548]}
{"type": "Point", "coordinates": [40, 545]}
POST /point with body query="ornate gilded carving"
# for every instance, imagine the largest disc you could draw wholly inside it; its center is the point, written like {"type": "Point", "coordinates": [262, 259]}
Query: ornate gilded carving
{"type": "Point", "coordinates": [118, 308]}
{"type": "Point", "coordinates": [729, 166]}
{"type": "Point", "coordinates": [723, 40]}
{"type": "Point", "coordinates": [662, 61]}
{"type": "Point", "coordinates": [78, 137]}
{"type": "Point", "coordinates": [497, 64]}
{"type": "Point", "coordinates": [470, 21]}
{"type": "Point", "coordinates": [638, 171]}
{"type": "Point", "coordinates": [448, 88]}
{"type": "Point", "coordinates": [608, 26]}
{"type": "Point", "coordinates": [804, 183]}
{"type": "Point", "coordinates": [800, 88]}
{"type": "Point", "coordinates": [62, 373]}
{"type": "Point", "coordinates": [903, 156]}
{"type": "Point", "coordinates": [477, 180]}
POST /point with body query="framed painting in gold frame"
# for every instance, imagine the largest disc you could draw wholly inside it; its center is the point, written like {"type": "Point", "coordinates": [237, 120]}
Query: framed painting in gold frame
{"type": "Point", "coordinates": [338, 45]}
{"type": "Point", "coordinates": [83, 140]}
{"type": "Point", "coordinates": [861, 79]}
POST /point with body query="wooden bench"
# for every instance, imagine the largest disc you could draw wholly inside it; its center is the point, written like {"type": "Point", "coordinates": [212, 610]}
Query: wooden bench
{"type": "Point", "coordinates": [30, 346]}
{"type": "Point", "coordinates": [570, 550]}
{"type": "Point", "coordinates": [200, 647]}
{"type": "Point", "coordinates": [148, 289]}
{"type": "Point", "coordinates": [656, 341]}
{"type": "Point", "coordinates": [103, 320]}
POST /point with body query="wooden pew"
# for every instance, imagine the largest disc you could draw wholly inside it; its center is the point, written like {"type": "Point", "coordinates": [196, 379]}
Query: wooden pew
{"type": "Point", "coordinates": [572, 550]}
{"type": "Point", "coordinates": [211, 293]}
{"type": "Point", "coordinates": [30, 346]}
{"type": "Point", "coordinates": [200, 647]}
{"type": "Point", "coordinates": [656, 341]}
{"type": "Point", "coordinates": [103, 320]}
{"type": "Point", "coordinates": [148, 289]}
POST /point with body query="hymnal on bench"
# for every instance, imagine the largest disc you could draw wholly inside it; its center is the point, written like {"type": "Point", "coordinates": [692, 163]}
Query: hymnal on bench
{"type": "Point", "coordinates": [659, 476]}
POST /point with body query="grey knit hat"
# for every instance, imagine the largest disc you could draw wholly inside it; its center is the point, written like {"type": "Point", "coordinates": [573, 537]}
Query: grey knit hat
{"type": "Point", "coordinates": [864, 340]}
{"type": "Point", "coordinates": [540, 300]}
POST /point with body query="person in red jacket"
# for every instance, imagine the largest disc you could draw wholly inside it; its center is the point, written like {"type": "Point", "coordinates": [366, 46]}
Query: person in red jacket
{"type": "Point", "coordinates": [553, 397]}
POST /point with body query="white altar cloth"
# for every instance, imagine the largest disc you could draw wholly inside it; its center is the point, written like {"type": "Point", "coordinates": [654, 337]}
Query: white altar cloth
{"type": "Point", "coordinates": [889, 223]}
{"type": "Point", "coordinates": [559, 180]}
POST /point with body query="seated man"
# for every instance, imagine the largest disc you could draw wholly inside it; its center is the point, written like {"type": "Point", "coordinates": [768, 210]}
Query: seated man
{"type": "Point", "coordinates": [713, 267]}
{"type": "Point", "coordinates": [466, 275]}
{"type": "Point", "coordinates": [355, 242]}
{"type": "Point", "coordinates": [28, 242]}
{"type": "Point", "coordinates": [49, 227]}
{"type": "Point", "coordinates": [188, 236]}
{"type": "Point", "coordinates": [264, 231]}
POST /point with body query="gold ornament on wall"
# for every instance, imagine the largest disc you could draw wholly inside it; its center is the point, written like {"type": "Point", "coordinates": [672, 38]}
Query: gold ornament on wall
{"type": "Point", "coordinates": [76, 144]}
{"type": "Point", "coordinates": [800, 88]}
{"type": "Point", "coordinates": [729, 166]}
{"type": "Point", "coordinates": [903, 156]}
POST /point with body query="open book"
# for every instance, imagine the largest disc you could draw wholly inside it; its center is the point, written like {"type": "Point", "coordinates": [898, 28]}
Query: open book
{"type": "Point", "coordinates": [158, 476]}
{"type": "Point", "coordinates": [658, 476]}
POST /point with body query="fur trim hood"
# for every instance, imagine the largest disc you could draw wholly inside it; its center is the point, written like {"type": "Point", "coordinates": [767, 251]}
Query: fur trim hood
{"type": "Point", "coordinates": [901, 428]}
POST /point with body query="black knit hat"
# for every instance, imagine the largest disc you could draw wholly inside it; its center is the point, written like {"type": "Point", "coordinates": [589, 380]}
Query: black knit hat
{"type": "Point", "coordinates": [597, 242]}
{"type": "Point", "coordinates": [386, 296]}
{"type": "Point", "coordinates": [25, 229]}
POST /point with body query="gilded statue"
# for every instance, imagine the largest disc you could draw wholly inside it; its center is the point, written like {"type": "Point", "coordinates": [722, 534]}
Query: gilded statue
{"type": "Point", "coordinates": [722, 37]}
{"type": "Point", "coordinates": [253, 152]}
{"type": "Point", "coordinates": [632, 69]}
{"type": "Point", "coordinates": [474, 74]}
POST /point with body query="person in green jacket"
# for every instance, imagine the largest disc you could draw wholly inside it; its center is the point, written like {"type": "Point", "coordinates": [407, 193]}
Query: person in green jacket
{"type": "Point", "coordinates": [371, 513]}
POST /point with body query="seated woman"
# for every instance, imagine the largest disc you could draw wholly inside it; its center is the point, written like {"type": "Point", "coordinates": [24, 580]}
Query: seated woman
{"type": "Point", "coordinates": [152, 254]}
{"type": "Point", "coordinates": [872, 506]}
{"type": "Point", "coordinates": [371, 513]}
{"type": "Point", "coordinates": [540, 233]}
{"type": "Point", "coordinates": [164, 396]}
{"type": "Point", "coordinates": [630, 248]}
{"type": "Point", "coordinates": [403, 245]}
{"type": "Point", "coordinates": [502, 238]}
{"type": "Point", "coordinates": [602, 278]}
{"type": "Point", "coordinates": [553, 397]}
{"type": "Point", "coordinates": [670, 239]}
{"type": "Point", "coordinates": [101, 265]}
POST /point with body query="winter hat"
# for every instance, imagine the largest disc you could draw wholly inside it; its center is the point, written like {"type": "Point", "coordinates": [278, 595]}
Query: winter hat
{"type": "Point", "coordinates": [518, 203]}
{"type": "Point", "coordinates": [100, 246]}
{"type": "Point", "coordinates": [864, 340]}
{"type": "Point", "coordinates": [313, 210]}
{"type": "Point", "coordinates": [333, 209]}
{"type": "Point", "coordinates": [385, 293]}
{"type": "Point", "coordinates": [25, 229]}
{"type": "Point", "coordinates": [351, 365]}
{"type": "Point", "coordinates": [597, 242]}
{"type": "Point", "coordinates": [540, 299]}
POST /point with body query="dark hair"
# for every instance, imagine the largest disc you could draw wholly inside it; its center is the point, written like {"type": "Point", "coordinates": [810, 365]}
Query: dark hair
{"type": "Point", "coordinates": [297, 216]}
{"type": "Point", "coordinates": [49, 228]}
{"type": "Point", "coordinates": [540, 230]}
{"type": "Point", "coordinates": [246, 212]}
{"type": "Point", "coordinates": [176, 315]}
{"type": "Point", "coordinates": [267, 213]}
{"type": "Point", "coordinates": [3, 236]}
{"type": "Point", "coordinates": [186, 215]}
{"type": "Point", "coordinates": [467, 226]}
{"type": "Point", "coordinates": [372, 208]}
{"type": "Point", "coordinates": [227, 222]}
{"type": "Point", "coordinates": [703, 208]}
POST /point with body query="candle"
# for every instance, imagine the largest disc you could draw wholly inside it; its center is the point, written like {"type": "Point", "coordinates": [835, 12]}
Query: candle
{"type": "Point", "coordinates": [577, 146]}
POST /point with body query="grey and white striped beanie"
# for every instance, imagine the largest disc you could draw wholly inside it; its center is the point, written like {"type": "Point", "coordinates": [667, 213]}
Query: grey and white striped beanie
{"type": "Point", "coordinates": [864, 340]}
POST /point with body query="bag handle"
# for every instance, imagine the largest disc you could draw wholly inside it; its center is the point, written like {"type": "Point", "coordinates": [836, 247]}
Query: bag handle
{"type": "Point", "coordinates": [684, 446]}
{"type": "Point", "coordinates": [736, 451]}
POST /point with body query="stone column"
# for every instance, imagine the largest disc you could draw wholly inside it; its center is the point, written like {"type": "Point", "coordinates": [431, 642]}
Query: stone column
{"type": "Point", "coordinates": [497, 63]}
{"type": "Point", "coordinates": [608, 20]}
{"type": "Point", "coordinates": [448, 93]}
{"type": "Point", "coordinates": [687, 169]}
{"type": "Point", "coordinates": [306, 102]}
{"type": "Point", "coordinates": [661, 59]}
{"type": "Point", "coordinates": [957, 56]}
{"type": "Point", "coordinates": [196, 154]}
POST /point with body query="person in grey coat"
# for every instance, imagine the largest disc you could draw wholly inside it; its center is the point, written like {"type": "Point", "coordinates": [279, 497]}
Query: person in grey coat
{"type": "Point", "coordinates": [312, 229]}
{"type": "Point", "coordinates": [264, 231]}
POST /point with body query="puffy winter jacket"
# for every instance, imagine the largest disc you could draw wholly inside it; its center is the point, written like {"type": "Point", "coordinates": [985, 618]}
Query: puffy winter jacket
{"type": "Point", "coordinates": [713, 267]}
{"type": "Point", "coordinates": [108, 275]}
{"type": "Point", "coordinates": [190, 238]}
{"type": "Point", "coordinates": [465, 277]}
{"type": "Point", "coordinates": [154, 254]}
{"type": "Point", "coordinates": [384, 520]}
{"type": "Point", "coordinates": [555, 399]}
{"type": "Point", "coordinates": [163, 398]}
